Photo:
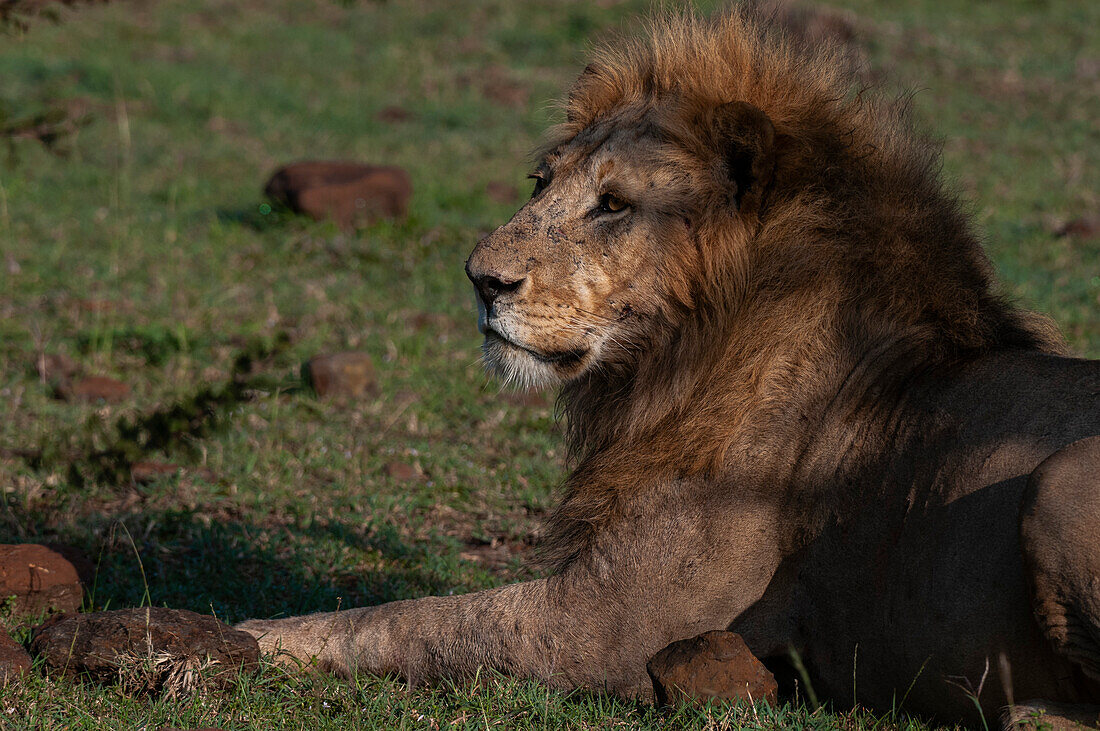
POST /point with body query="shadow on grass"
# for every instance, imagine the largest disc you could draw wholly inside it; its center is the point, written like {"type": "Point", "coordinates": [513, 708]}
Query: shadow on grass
{"type": "Point", "coordinates": [106, 452]}
{"type": "Point", "coordinates": [260, 217]}
{"type": "Point", "coordinates": [240, 569]}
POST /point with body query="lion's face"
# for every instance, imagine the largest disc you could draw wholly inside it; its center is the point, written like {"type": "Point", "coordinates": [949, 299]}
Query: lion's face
{"type": "Point", "coordinates": [569, 282]}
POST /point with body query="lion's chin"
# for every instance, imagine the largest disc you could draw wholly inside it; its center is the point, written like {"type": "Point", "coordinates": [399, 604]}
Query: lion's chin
{"type": "Point", "coordinates": [524, 368]}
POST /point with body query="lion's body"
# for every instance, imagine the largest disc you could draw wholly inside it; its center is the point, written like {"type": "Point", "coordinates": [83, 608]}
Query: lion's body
{"type": "Point", "coordinates": [919, 568]}
{"type": "Point", "coordinates": [796, 404]}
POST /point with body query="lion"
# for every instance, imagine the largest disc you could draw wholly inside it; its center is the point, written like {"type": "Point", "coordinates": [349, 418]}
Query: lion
{"type": "Point", "coordinates": [796, 405]}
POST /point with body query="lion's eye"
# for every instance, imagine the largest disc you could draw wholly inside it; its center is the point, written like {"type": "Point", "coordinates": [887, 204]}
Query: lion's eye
{"type": "Point", "coordinates": [540, 183]}
{"type": "Point", "coordinates": [610, 203]}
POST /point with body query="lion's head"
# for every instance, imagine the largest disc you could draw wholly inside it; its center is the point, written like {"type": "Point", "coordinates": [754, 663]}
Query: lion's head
{"type": "Point", "coordinates": [607, 251]}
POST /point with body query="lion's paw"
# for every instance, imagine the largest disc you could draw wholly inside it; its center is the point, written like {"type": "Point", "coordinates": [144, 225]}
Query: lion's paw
{"type": "Point", "coordinates": [278, 641]}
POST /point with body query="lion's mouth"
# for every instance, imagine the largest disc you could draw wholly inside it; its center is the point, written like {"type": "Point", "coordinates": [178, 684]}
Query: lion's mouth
{"type": "Point", "coordinates": [563, 359]}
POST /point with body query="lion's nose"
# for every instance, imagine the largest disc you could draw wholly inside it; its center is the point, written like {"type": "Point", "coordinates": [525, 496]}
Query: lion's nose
{"type": "Point", "coordinates": [489, 286]}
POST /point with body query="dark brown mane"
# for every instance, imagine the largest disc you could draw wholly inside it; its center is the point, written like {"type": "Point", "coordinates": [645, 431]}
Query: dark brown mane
{"type": "Point", "coordinates": [859, 255]}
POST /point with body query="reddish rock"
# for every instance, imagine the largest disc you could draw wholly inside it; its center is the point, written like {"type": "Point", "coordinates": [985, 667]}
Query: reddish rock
{"type": "Point", "coordinates": [14, 660]}
{"type": "Point", "coordinates": [346, 192]}
{"type": "Point", "coordinates": [40, 580]}
{"type": "Point", "coordinates": [715, 665]}
{"type": "Point", "coordinates": [501, 192]}
{"type": "Point", "coordinates": [1087, 227]}
{"type": "Point", "coordinates": [400, 471]}
{"type": "Point", "coordinates": [98, 644]}
{"type": "Point", "coordinates": [94, 388]}
{"type": "Point", "coordinates": [394, 114]}
{"type": "Point", "coordinates": [341, 374]}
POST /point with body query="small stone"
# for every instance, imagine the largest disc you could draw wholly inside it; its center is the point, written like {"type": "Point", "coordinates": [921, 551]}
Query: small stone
{"type": "Point", "coordinates": [394, 114]}
{"type": "Point", "coordinates": [348, 193]}
{"type": "Point", "coordinates": [39, 579]}
{"type": "Point", "coordinates": [94, 388]}
{"type": "Point", "coordinates": [715, 665]}
{"type": "Point", "coordinates": [341, 374]}
{"type": "Point", "coordinates": [1087, 227]}
{"type": "Point", "coordinates": [161, 646]}
{"type": "Point", "coordinates": [402, 471]}
{"type": "Point", "coordinates": [14, 660]}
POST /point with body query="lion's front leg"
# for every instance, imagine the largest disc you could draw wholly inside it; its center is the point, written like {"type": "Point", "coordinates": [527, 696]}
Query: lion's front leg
{"type": "Point", "coordinates": [314, 638]}
{"type": "Point", "coordinates": [653, 577]}
{"type": "Point", "coordinates": [517, 629]}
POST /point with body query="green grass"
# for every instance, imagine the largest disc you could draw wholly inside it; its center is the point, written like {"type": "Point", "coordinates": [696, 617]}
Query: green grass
{"type": "Point", "coordinates": [144, 255]}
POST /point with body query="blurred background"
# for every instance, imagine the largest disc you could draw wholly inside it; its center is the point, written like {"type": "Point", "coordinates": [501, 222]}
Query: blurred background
{"type": "Point", "coordinates": [156, 308]}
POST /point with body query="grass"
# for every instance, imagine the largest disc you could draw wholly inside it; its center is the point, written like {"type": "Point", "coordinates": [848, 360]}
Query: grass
{"type": "Point", "coordinates": [144, 254]}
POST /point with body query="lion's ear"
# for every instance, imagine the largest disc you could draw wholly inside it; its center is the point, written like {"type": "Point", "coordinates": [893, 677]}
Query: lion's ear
{"type": "Point", "coordinates": [745, 139]}
{"type": "Point", "coordinates": [576, 94]}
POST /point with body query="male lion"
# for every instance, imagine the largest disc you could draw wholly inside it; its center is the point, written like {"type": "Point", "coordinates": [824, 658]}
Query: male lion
{"type": "Point", "coordinates": [798, 409]}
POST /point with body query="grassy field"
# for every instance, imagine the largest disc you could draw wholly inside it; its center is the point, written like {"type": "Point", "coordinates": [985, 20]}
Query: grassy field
{"type": "Point", "coordinates": [145, 255]}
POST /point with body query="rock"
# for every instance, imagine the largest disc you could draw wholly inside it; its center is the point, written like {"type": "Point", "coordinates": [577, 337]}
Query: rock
{"type": "Point", "coordinates": [346, 192]}
{"type": "Point", "coordinates": [94, 388]}
{"type": "Point", "coordinates": [158, 647]}
{"type": "Point", "coordinates": [341, 374]}
{"type": "Point", "coordinates": [1087, 227]}
{"type": "Point", "coordinates": [1040, 715]}
{"type": "Point", "coordinates": [40, 579]}
{"type": "Point", "coordinates": [400, 471]}
{"type": "Point", "coordinates": [14, 660]}
{"type": "Point", "coordinates": [715, 665]}
{"type": "Point", "coordinates": [394, 114]}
